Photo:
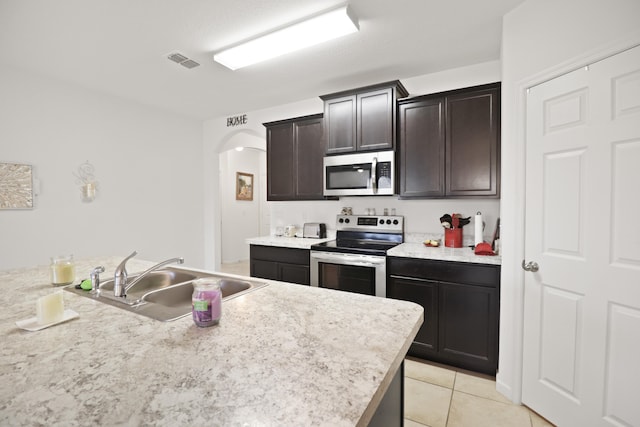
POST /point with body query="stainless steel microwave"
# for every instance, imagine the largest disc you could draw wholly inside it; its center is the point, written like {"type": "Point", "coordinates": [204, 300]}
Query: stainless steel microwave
{"type": "Point", "coordinates": [360, 174]}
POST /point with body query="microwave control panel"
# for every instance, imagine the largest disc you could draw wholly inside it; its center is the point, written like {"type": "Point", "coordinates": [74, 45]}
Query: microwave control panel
{"type": "Point", "coordinates": [384, 169]}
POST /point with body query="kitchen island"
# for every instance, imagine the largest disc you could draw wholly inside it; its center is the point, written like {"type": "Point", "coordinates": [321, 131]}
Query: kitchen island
{"type": "Point", "coordinates": [282, 355]}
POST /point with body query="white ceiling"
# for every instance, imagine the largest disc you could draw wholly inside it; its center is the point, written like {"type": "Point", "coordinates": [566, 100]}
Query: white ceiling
{"type": "Point", "coordinates": [119, 47]}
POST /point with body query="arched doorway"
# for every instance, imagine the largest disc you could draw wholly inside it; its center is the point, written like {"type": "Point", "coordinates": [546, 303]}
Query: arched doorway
{"type": "Point", "coordinates": [241, 217]}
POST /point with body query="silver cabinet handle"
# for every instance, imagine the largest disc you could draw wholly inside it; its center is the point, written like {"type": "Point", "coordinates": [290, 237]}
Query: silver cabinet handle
{"type": "Point", "coordinates": [530, 266]}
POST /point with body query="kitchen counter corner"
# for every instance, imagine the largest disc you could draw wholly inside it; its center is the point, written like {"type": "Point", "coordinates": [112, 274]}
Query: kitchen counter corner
{"type": "Point", "coordinates": [442, 253]}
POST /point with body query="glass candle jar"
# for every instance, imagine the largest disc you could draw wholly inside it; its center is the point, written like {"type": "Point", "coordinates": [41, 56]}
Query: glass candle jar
{"type": "Point", "coordinates": [206, 302]}
{"type": "Point", "coordinates": [63, 270]}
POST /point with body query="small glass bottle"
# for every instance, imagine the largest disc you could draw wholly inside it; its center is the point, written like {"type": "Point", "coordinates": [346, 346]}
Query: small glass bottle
{"type": "Point", "coordinates": [206, 302]}
{"type": "Point", "coordinates": [63, 270]}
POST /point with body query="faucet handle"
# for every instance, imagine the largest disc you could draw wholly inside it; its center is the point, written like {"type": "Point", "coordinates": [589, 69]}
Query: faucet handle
{"type": "Point", "coordinates": [120, 276]}
{"type": "Point", "coordinates": [122, 267]}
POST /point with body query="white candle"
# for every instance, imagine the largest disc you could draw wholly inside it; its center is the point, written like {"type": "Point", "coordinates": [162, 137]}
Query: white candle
{"type": "Point", "coordinates": [50, 308]}
{"type": "Point", "coordinates": [63, 273]}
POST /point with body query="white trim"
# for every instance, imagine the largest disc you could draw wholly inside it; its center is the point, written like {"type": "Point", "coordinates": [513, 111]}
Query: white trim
{"type": "Point", "coordinates": [513, 390]}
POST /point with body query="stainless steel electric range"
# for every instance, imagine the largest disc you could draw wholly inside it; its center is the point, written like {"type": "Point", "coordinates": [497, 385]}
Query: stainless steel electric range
{"type": "Point", "coordinates": [356, 260]}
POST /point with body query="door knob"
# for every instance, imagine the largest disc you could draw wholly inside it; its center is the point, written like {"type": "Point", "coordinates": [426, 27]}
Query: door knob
{"type": "Point", "coordinates": [530, 266]}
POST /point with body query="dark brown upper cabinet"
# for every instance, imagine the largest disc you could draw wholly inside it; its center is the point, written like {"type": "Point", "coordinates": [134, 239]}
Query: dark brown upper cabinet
{"type": "Point", "coordinates": [295, 149]}
{"type": "Point", "coordinates": [362, 119]}
{"type": "Point", "coordinates": [449, 144]}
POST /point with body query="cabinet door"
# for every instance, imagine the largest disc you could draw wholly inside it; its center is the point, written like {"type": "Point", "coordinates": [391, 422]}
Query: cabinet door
{"type": "Point", "coordinates": [421, 148]}
{"type": "Point", "coordinates": [280, 162]}
{"type": "Point", "coordinates": [340, 124]}
{"type": "Point", "coordinates": [468, 329]}
{"type": "Point", "coordinates": [264, 269]}
{"type": "Point", "coordinates": [425, 293]}
{"type": "Point", "coordinates": [309, 152]}
{"type": "Point", "coordinates": [375, 120]}
{"type": "Point", "coordinates": [294, 273]}
{"type": "Point", "coordinates": [473, 142]}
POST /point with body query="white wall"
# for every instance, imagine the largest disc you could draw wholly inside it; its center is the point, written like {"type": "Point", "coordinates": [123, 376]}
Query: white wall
{"type": "Point", "coordinates": [421, 216]}
{"type": "Point", "coordinates": [147, 163]}
{"type": "Point", "coordinates": [240, 218]}
{"type": "Point", "coordinates": [541, 39]}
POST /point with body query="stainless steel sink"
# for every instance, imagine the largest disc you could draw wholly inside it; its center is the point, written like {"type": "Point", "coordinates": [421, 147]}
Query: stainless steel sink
{"type": "Point", "coordinates": [166, 294]}
{"type": "Point", "coordinates": [155, 280]}
{"type": "Point", "coordinates": [180, 294]}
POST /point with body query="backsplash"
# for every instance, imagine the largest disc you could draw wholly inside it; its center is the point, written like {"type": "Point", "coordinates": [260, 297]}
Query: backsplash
{"type": "Point", "coordinates": [421, 217]}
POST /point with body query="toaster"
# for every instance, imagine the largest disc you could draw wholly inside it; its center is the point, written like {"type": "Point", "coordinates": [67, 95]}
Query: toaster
{"type": "Point", "coordinates": [315, 230]}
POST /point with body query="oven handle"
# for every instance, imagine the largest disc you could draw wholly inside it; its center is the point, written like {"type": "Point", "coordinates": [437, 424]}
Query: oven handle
{"type": "Point", "coordinates": [348, 259]}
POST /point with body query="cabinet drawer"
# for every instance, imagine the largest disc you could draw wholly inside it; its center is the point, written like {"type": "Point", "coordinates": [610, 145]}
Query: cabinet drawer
{"type": "Point", "coordinates": [279, 254]}
{"type": "Point", "coordinates": [445, 271]}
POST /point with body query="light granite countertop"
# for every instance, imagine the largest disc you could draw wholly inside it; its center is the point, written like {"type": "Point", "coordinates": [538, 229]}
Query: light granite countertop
{"type": "Point", "coordinates": [442, 253]}
{"type": "Point", "coordinates": [282, 355]}
{"type": "Point", "coordinates": [286, 242]}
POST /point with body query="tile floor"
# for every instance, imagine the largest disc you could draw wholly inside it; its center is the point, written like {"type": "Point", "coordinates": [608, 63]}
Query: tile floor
{"type": "Point", "coordinates": [240, 267]}
{"type": "Point", "coordinates": [442, 396]}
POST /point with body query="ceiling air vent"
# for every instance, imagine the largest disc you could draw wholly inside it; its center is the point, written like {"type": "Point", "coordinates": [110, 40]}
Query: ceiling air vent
{"type": "Point", "coordinates": [179, 58]}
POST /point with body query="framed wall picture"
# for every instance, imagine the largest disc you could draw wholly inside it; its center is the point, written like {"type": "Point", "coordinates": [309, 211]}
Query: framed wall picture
{"type": "Point", "coordinates": [244, 186]}
{"type": "Point", "coordinates": [16, 186]}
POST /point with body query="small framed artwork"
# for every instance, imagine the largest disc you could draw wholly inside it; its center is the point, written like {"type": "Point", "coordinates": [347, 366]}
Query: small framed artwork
{"type": "Point", "coordinates": [244, 186]}
{"type": "Point", "coordinates": [16, 186]}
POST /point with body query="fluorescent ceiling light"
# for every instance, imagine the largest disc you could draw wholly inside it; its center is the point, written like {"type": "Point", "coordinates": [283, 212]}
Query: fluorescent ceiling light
{"type": "Point", "coordinates": [315, 30]}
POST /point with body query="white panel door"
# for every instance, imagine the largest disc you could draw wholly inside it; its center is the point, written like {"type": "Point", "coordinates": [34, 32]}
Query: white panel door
{"type": "Point", "coordinates": [582, 306]}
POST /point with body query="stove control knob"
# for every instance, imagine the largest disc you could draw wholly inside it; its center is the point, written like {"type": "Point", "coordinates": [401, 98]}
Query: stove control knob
{"type": "Point", "coordinates": [346, 220]}
{"type": "Point", "coordinates": [388, 221]}
{"type": "Point", "coordinates": [341, 220]}
{"type": "Point", "coordinates": [381, 221]}
{"type": "Point", "coordinates": [395, 222]}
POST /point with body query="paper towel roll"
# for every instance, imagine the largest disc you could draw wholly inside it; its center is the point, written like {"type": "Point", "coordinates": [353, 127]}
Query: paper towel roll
{"type": "Point", "coordinates": [479, 226]}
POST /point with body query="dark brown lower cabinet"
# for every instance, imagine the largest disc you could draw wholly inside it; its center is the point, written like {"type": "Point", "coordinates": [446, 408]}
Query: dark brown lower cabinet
{"type": "Point", "coordinates": [277, 263]}
{"type": "Point", "coordinates": [461, 303]}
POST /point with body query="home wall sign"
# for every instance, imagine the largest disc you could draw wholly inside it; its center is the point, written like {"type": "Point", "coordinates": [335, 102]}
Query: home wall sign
{"type": "Point", "coordinates": [16, 186]}
{"type": "Point", "coordinates": [237, 120]}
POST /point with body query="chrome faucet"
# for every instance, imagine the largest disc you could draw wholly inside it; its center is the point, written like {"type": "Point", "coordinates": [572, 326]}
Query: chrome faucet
{"type": "Point", "coordinates": [120, 276]}
{"type": "Point", "coordinates": [120, 285]}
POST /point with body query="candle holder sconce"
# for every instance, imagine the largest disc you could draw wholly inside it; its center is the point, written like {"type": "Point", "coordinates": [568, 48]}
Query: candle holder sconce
{"type": "Point", "coordinates": [86, 179]}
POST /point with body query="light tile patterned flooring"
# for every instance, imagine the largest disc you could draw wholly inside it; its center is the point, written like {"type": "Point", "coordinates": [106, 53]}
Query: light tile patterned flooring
{"type": "Point", "coordinates": [442, 396]}
{"type": "Point", "coordinates": [240, 267]}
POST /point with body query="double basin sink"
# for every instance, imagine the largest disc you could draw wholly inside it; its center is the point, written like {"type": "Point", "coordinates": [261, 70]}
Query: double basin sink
{"type": "Point", "coordinates": [165, 294]}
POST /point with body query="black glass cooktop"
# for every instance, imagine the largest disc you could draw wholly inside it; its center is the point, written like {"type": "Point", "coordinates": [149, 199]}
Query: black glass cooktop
{"type": "Point", "coordinates": [360, 243]}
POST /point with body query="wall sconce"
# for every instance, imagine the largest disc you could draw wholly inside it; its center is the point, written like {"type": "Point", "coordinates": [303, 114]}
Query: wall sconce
{"type": "Point", "coordinates": [85, 178]}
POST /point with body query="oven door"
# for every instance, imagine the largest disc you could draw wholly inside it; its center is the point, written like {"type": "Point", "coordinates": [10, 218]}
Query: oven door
{"type": "Point", "coordinates": [363, 274]}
